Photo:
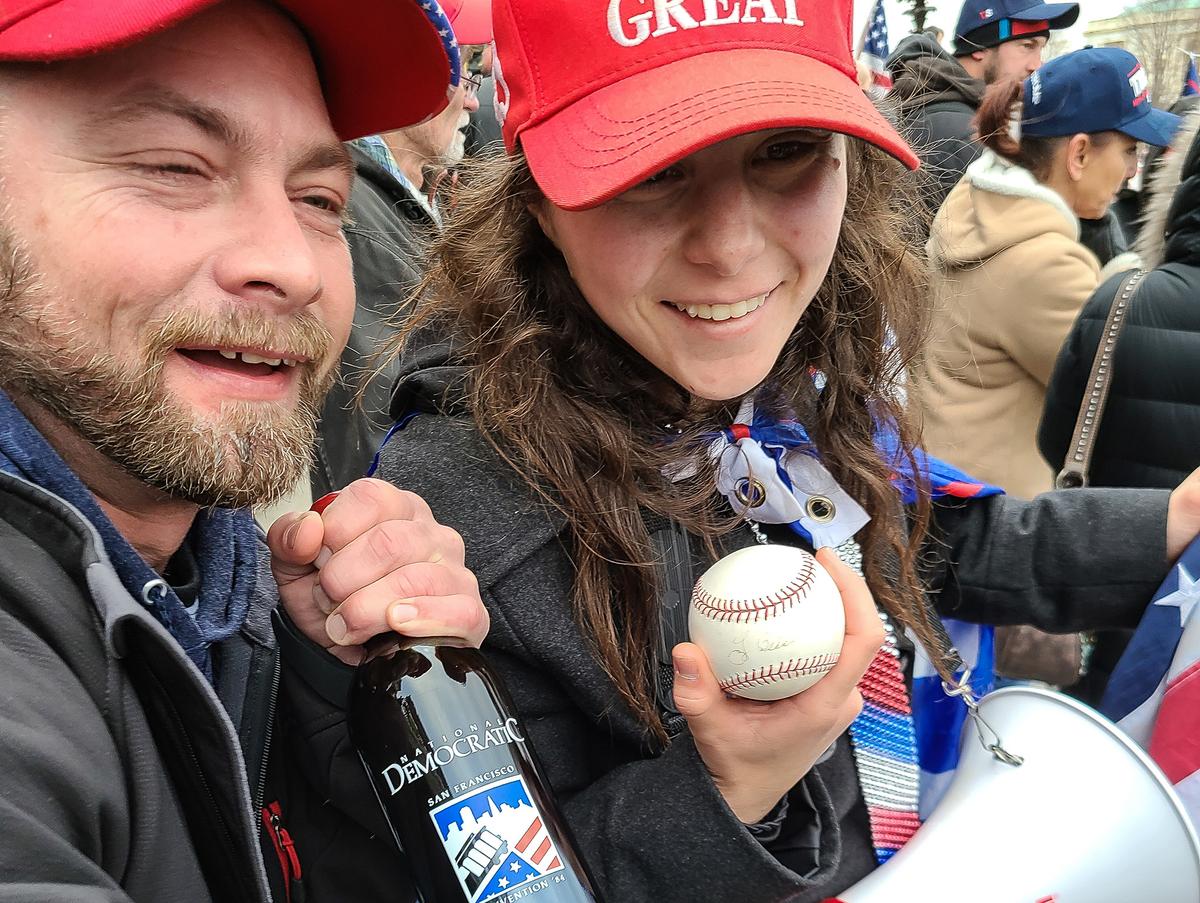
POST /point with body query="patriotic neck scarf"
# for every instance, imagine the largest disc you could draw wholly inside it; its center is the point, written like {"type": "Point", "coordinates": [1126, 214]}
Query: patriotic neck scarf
{"type": "Point", "coordinates": [905, 744]}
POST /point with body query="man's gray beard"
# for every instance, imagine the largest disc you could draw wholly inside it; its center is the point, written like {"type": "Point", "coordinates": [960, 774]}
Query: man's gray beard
{"type": "Point", "coordinates": [252, 454]}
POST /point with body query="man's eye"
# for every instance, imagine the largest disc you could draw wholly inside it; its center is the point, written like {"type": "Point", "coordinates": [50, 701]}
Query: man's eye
{"type": "Point", "coordinates": [325, 203]}
{"type": "Point", "coordinates": [170, 169]}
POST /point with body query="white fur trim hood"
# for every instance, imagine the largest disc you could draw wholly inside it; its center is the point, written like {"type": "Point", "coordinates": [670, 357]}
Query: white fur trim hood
{"type": "Point", "coordinates": [997, 175]}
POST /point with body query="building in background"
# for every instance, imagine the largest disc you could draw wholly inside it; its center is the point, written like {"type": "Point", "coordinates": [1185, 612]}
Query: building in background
{"type": "Point", "coordinates": [1160, 33]}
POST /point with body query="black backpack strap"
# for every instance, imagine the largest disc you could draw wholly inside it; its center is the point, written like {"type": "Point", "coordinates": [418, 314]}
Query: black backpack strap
{"type": "Point", "coordinates": [674, 572]}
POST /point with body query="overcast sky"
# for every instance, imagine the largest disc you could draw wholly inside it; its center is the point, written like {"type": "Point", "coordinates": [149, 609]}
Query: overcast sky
{"type": "Point", "coordinates": [946, 16]}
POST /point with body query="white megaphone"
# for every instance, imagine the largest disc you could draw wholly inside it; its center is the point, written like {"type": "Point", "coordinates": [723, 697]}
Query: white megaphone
{"type": "Point", "coordinates": [1086, 817]}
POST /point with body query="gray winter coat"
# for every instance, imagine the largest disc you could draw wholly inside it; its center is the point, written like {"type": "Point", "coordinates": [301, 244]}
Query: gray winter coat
{"type": "Point", "coordinates": [125, 777]}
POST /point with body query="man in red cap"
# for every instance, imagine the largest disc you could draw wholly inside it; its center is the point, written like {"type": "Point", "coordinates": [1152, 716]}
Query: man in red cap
{"type": "Point", "coordinates": [177, 290]}
{"type": "Point", "coordinates": [394, 214]}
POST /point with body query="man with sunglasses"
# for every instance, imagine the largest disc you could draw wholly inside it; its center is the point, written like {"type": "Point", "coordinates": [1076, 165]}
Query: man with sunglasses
{"type": "Point", "coordinates": [393, 215]}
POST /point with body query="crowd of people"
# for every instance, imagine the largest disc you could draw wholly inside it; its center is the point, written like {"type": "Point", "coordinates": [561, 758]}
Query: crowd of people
{"type": "Point", "coordinates": [679, 305]}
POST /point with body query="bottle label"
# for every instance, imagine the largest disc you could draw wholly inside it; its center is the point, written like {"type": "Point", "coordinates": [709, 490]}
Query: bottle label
{"type": "Point", "coordinates": [498, 843]}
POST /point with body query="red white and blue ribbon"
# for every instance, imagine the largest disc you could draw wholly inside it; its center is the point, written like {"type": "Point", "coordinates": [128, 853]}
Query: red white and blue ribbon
{"type": "Point", "coordinates": [906, 747]}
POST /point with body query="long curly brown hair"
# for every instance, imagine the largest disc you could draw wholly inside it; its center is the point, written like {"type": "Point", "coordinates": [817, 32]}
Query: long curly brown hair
{"type": "Point", "coordinates": [580, 415]}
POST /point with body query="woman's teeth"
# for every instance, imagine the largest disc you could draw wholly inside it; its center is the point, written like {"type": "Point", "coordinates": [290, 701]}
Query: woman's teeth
{"type": "Point", "coordinates": [721, 311]}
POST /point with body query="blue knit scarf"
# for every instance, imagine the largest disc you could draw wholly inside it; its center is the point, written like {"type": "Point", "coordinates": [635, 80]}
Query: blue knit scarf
{"type": "Point", "coordinates": [224, 543]}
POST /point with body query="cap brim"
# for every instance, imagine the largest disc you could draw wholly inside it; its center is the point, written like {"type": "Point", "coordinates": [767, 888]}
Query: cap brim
{"type": "Point", "coordinates": [355, 54]}
{"type": "Point", "coordinates": [1059, 15]}
{"type": "Point", "coordinates": [473, 24]}
{"type": "Point", "coordinates": [383, 67]}
{"type": "Point", "coordinates": [617, 136]}
{"type": "Point", "coordinates": [1158, 127]}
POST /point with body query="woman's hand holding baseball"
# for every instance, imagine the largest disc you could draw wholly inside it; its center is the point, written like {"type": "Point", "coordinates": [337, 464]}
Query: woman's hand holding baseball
{"type": "Point", "coordinates": [755, 751]}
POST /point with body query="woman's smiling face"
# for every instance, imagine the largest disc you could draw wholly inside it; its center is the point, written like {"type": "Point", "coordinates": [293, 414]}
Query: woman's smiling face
{"type": "Point", "coordinates": [705, 268]}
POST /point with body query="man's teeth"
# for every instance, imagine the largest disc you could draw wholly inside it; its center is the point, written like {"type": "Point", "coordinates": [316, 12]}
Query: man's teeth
{"type": "Point", "coordinates": [722, 311]}
{"type": "Point", "coordinates": [247, 358]}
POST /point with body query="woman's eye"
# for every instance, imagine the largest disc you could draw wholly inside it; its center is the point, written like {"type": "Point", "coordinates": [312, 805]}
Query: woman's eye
{"type": "Point", "coordinates": [662, 177]}
{"type": "Point", "coordinates": [790, 150]}
{"type": "Point", "coordinates": [653, 186]}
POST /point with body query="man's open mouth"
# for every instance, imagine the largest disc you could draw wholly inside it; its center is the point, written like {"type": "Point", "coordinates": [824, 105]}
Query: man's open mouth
{"type": "Point", "coordinates": [242, 362]}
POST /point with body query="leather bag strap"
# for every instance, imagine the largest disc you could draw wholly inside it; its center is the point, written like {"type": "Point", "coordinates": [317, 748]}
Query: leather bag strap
{"type": "Point", "coordinates": [1074, 472]}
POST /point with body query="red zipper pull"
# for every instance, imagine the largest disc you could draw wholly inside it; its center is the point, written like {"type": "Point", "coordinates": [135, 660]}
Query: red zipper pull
{"type": "Point", "coordinates": [285, 850]}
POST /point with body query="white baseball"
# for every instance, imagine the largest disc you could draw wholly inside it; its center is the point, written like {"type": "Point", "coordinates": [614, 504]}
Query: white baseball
{"type": "Point", "coordinates": [770, 620]}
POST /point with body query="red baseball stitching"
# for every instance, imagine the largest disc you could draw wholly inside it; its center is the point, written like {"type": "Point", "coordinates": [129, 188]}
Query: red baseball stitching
{"type": "Point", "coordinates": [793, 667]}
{"type": "Point", "coordinates": [742, 611]}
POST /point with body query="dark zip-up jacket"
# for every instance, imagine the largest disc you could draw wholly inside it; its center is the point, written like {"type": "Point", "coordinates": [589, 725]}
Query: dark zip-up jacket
{"type": "Point", "coordinates": [936, 100]}
{"type": "Point", "coordinates": [649, 820]}
{"type": "Point", "coordinates": [125, 776]}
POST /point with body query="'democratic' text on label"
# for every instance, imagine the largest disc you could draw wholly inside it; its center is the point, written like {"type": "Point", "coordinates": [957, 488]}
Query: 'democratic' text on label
{"type": "Point", "coordinates": [436, 756]}
{"type": "Point", "coordinates": [632, 22]}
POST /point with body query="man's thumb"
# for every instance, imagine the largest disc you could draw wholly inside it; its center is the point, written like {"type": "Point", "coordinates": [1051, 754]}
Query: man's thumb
{"type": "Point", "coordinates": [295, 542]}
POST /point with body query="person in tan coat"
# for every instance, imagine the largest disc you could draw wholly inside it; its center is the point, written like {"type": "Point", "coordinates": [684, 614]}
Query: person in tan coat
{"type": "Point", "coordinates": [1010, 275]}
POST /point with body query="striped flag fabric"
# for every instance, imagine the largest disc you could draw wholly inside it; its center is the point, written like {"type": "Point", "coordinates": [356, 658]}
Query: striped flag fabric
{"type": "Point", "coordinates": [875, 46]}
{"type": "Point", "coordinates": [1154, 693]}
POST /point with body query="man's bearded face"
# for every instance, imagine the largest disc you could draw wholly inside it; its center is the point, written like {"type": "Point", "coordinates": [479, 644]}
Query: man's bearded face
{"type": "Point", "coordinates": [240, 453]}
{"type": "Point", "coordinates": [177, 287]}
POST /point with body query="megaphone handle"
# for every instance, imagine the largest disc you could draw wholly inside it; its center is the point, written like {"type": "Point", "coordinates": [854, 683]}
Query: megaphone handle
{"type": "Point", "coordinates": [963, 690]}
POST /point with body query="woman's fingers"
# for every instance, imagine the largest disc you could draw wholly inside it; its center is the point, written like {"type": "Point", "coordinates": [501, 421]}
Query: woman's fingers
{"type": "Point", "coordinates": [864, 630]}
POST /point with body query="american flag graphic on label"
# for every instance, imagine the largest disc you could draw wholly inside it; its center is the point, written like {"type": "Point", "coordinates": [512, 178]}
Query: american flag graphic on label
{"type": "Point", "coordinates": [496, 839]}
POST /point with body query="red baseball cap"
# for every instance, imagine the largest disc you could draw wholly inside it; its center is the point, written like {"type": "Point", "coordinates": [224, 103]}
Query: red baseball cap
{"type": "Point", "coordinates": [471, 20]}
{"type": "Point", "coordinates": [601, 94]}
{"type": "Point", "coordinates": [358, 48]}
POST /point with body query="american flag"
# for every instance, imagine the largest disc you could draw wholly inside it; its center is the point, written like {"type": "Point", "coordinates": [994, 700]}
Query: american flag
{"type": "Point", "coordinates": [1154, 693]}
{"type": "Point", "coordinates": [875, 46]}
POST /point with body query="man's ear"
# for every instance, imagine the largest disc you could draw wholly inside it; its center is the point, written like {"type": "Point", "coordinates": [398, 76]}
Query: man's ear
{"type": "Point", "coordinates": [1079, 149]}
{"type": "Point", "coordinates": [979, 55]}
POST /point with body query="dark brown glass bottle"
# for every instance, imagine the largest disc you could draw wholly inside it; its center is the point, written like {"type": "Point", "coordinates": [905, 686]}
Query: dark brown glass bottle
{"type": "Point", "coordinates": [457, 780]}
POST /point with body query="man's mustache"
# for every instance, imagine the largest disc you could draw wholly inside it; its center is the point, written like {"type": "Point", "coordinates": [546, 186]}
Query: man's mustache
{"type": "Point", "coordinates": [299, 337]}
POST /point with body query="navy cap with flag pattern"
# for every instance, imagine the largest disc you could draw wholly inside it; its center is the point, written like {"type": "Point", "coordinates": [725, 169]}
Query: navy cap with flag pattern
{"type": "Point", "coordinates": [1097, 89]}
{"type": "Point", "coordinates": [987, 23]}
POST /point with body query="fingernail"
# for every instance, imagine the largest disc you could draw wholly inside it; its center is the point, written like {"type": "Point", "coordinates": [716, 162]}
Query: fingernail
{"type": "Point", "coordinates": [335, 626]}
{"type": "Point", "coordinates": [322, 599]}
{"type": "Point", "coordinates": [686, 669]}
{"type": "Point", "coordinates": [289, 535]}
{"type": "Point", "coordinates": [323, 557]}
{"type": "Point", "coordinates": [401, 613]}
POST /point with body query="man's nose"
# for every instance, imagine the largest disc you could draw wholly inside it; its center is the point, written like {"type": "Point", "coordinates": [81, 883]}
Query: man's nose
{"type": "Point", "coordinates": [272, 259]}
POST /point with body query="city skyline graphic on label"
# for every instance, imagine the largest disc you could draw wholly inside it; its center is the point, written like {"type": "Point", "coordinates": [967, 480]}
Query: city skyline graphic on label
{"type": "Point", "coordinates": [496, 839]}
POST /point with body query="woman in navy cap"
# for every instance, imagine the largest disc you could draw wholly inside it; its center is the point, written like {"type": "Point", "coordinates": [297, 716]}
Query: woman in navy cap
{"type": "Point", "coordinates": [1011, 275]}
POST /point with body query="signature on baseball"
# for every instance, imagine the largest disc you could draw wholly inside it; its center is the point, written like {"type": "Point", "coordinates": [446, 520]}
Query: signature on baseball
{"type": "Point", "coordinates": [738, 654]}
